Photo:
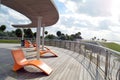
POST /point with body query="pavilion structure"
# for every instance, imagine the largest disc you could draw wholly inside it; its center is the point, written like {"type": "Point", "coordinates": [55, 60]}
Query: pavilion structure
{"type": "Point", "coordinates": [42, 13]}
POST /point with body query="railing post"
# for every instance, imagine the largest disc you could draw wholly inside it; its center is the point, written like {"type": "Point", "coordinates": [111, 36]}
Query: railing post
{"type": "Point", "coordinates": [106, 65]}
{"type": "Point", "coordinates": [98, 56]}
{"type": "Point", "coordinates": [119, 75]}
{"type": "Point", "coordinates": [79, 48]}
{"type": "Point", "coordinates": [55, 43]}
{"type": "Point", "coordinates": [91, 55]}
{"type": "Point", "coordinates": [97, 65]}
{"type": "Point", "coordinates": [60, 43]}
{"type": "Point", "coordinates": [74, 46]}
{"type": "Point", "coordinates": [47, 42]}
{"type": "Point", "coordinates": [65, 45]}
{"type": "Point", "coordinates": [85, 52]}
{"type": "Point", "coordinates": [69, 45]}
{"type": "Point", "coordinates": [50, 42]}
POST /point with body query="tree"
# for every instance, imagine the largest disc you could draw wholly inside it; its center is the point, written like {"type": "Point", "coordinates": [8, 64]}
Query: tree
{"type": "Point", "coordinates": [72, 37]}
{"type": "Point", "coordinates": [62, 37]}
{"type": "Point", "coordinates": [50, 36]}
{"type": "Point", "coordinates": [18, 32]}
{"type": "Point", "coordinates": [78, 35]}
{"type": "Point", "coordinates": [13, 32]}
{"type": "Point", "coordinates": [94, 38]}
{"type": "Point", "coordinates": [10, 34]}
{"type": "Point", "coordinates": [34, 34]}
{"type": "Point", "coordinates": [58, 33]}
{"type": "Point", "coordinates": [104, 40]}
{"type": "Point", "coordinates": [3, 34]}
{"type": "Point", "coordinates": [98, 39]}
{"type": "Point", "coordinates": [2, 28]}
{"type": "Point", "coordinates": [46, 32]}
{"type": "Point", "coordinates": [67, 37]}
{"type": "Point", "coordinates": [29, 33]}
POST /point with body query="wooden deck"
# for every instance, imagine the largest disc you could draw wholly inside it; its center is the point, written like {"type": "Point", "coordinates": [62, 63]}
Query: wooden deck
{"type": "Point", "coordinates": [64, 67]}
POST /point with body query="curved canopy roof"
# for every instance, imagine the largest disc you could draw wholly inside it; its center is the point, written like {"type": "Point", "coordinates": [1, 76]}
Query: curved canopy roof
{"type": "Point", "coordinates": [34, 9]}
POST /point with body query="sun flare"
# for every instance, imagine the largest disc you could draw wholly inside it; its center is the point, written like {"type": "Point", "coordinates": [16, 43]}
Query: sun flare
{"type": "Point", "coordinates": [115, 9]}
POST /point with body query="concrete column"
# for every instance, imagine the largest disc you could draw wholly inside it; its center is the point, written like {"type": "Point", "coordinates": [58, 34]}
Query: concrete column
{"type": "Point", "coordinates": [22, 33]}
{"type": "Point", "coordinates": [22, 40]}
{"type": "Point", "coordinates": [43, 37]}
{"type": "Point", "coordinates": [38, 37]}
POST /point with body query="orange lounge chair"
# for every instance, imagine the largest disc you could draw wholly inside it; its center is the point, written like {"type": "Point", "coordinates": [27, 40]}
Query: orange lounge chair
{"type": "Point", "coordinates": [20, 61]}
{"type": "Point", "coordinates": [47, 50]}
{"type": "Point", "coordinates": [27, 44]}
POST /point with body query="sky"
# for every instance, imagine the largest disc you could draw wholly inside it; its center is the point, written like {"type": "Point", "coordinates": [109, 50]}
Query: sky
{"type": "Point", "coordinates": [93, 18]}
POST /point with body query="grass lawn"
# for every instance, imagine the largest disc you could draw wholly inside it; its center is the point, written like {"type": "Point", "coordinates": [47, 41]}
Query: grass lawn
{"type": "Point", "coordinates": [10, 41]}
{"type": "Point", "coordinates": [112, 45]}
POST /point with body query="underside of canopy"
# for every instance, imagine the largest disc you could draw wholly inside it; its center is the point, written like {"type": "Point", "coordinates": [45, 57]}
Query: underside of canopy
{"type": "Point", "coordinates": [34, 9]}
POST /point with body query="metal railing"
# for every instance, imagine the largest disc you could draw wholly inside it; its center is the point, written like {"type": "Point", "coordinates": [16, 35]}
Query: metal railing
{"type": "Point", "coordinates": [102, 63]}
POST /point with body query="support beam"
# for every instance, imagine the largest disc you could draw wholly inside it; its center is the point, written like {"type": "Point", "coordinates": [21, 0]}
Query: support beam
{"type": "Point", "coordinates": [43, 32]}
{"type": "Point", "coordinates": [22, 29]}
{"type": "Point", "coordinates": [22, 40]}
{"type": "Point", "coordinates": [38, 37]}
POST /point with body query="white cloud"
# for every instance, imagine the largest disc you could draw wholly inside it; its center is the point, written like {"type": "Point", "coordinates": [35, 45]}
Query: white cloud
{"type": "Point", "coordinates": [71, 6]}
{"type": "Point", "coordinates": [90, 7]}
{"type": "Point", "coordinates": [100, 18]}
{"type": "Point", "coordinates": [115, 29]}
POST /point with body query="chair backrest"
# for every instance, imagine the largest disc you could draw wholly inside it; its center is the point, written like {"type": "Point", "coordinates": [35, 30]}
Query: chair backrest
{"type": "Point", "coordinates": [18, 56]}
{"type": "Point", "coordinates": [27, 44]}
{"type": "Point", "coordinates": [29, 41]}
